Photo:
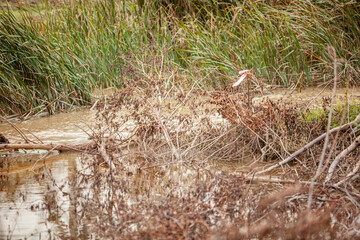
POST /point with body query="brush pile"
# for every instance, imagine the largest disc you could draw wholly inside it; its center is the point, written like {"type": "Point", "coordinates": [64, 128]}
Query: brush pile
{"type": "Point", "coordinates": [155, 174]}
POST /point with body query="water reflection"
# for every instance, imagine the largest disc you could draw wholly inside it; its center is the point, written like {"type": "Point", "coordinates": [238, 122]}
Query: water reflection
{"type": "Point", "coordinates": [24, 195]}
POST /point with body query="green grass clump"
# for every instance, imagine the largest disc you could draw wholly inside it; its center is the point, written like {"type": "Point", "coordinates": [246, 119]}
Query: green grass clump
{"type": "Point", "coordinates": [315, 115]}
{"type": "Point", "coordinates": [343, 113]}
{"type": "Point", "coordinates": [34, 73]}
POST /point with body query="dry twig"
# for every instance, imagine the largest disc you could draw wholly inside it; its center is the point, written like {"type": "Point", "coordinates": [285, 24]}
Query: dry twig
{"type": "Point", "coordinates": [344, 153]}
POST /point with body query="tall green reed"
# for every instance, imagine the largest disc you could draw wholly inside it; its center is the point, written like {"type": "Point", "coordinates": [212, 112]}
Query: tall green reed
{"type": "Point", "coordinates": [34, 74]}
{"type": "Point", "coordinates": [283, 43]}
{"type": "Point", "coordinates": [57, 59]}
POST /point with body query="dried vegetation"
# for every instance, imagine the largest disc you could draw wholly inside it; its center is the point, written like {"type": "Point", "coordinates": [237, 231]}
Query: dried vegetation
{"type": "Point", "coordinates": [152, 174]}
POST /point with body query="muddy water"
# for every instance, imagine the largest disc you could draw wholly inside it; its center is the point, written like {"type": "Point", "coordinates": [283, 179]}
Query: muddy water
{"type": "Point", "coordinates": [64, 128]}
{"type": "Point", "coordinates": [22, 196]}
{"type": "Point", "coordinates": [22, 191]}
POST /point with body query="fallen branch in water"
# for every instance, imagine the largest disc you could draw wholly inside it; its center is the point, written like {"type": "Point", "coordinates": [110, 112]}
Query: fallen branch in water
{"type": "Point", "coordinates": [43, 157]}
{"type": "Point", "coordinates": [62, 148]}
{"type": "Point", "coordinates": [310, 144]}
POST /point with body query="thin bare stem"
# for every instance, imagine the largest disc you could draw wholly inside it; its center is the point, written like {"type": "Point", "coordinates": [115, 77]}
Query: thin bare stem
{"type": "Point", "coordinates": [322, 157]}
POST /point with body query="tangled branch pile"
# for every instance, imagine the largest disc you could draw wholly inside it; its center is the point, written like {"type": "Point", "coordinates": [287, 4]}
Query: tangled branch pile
{"type": "Point", "coordinates": [160, 180]}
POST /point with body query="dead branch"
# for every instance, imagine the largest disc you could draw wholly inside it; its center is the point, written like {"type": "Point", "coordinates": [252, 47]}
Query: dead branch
{"type": "Point", "coordinates": [105, 156]}
{"type": "Point", "coordinates": [63, 148]}
{"type": "Point", "coordinates": [309, 145]}
{"type": "Point", "coordinates": [43, 157]}
{"type": "Point", "coordinates": [165, 132]}
{"type": "Point", "coordinates": [344, 153]}
{"type": "Point", "coordinates": [322, 156]}
{"type": "Point", "coordinates": [350, 175]}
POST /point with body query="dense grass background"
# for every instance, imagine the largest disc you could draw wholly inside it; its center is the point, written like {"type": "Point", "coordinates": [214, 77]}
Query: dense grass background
{"type": "Point", "coordinates": [34, 73]}
{"type": "Point", "coordinates": [53, 57]}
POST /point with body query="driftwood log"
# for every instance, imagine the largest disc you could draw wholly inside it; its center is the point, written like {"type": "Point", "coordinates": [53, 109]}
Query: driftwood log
{"type": "Point", "coordinates": [61, 148]}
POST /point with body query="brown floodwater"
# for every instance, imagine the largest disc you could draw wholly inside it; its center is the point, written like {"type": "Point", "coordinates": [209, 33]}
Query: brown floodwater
{"type": "Point", "coordinates": [63, 128]}
{"type": "Point", "coordinates": [25, 186]}
{"type": "Point", "coordinates": [22, 197]}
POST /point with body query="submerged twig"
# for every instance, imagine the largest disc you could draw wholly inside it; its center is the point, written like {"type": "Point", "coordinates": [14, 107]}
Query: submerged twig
{"type": "Point", "coordinates": [43, 157]}
{"type": "Point", "coordinates": [22, 134]}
